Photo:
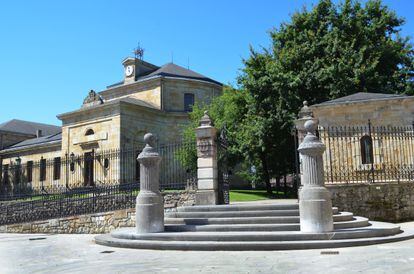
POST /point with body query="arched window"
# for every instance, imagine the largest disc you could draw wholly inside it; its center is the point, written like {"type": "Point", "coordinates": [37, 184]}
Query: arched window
{"type": "Point", "coordinates": [367, 153]}
{"type": "Point", "coordinates": [89, 132]}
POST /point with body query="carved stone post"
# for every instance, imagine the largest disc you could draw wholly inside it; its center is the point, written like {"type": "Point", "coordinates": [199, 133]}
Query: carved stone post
{"type": "Point", "coordinates": [150, 203]}
{"type": "Point", "coordinates": [305, 114]}
{"type": "Point", "coordinates": [207, 184]}
{"type": "Point", "coordinates": [315, 202]}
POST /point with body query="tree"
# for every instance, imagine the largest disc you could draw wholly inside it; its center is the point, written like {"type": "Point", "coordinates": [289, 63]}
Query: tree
{"type": "Point", "coordinates": [328, 52]}
{"type": "Point", "coordinates": [325, 53]}
{"type": "Point", "coordinates": [337, 50]}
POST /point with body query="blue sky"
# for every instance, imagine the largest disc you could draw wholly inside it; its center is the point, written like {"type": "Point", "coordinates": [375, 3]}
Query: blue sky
{"type": "Point", "coordinates": [53, 52]}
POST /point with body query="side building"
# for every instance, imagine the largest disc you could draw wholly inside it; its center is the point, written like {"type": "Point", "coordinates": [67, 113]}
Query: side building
{"type": "Point", "coordinates": [98, 142]}
{"type": "Point", "coordinates": [368, 136]}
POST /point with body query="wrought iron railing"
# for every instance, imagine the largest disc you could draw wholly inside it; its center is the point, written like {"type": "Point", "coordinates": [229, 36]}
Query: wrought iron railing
{"type": "Point", "coordinates": [23, 178]}
{"type": "Point", "coordinates": [368, 154]}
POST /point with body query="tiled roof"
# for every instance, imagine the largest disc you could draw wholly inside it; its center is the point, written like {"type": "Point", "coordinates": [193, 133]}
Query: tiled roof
{"type": "Point", "coordinates": [362, 96]}
{"type": "Point", "coordinates": [37, 141]}
{"type": "Point", "coordinates": [173, 70]}
{"type": "Point", "coordinates": [26, 127]}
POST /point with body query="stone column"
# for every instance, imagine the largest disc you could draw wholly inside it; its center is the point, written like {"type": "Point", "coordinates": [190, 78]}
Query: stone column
{"type": "Point", "coordinates": [315, 202]}
{"type": "Point", "coordinates": [305, 114]}
{"type": "Point", "coordinates": [207, 184]}
{"type": "Point", "coordinates": [150, 203]}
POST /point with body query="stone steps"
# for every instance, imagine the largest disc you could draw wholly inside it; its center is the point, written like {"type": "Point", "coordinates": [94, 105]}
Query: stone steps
{"type": "Point", "coordinates": [357, 222]}
{"type": "Point", "coordinates": [238, 207]}
{"type": "Point", "coordinates": [340, 217]}
{"type": "Point", "coordinates": [241, 213]}
{"type": "Point", "coordinates": [230, 241]}
{"type": "Point", "coordinates": [252, 227]}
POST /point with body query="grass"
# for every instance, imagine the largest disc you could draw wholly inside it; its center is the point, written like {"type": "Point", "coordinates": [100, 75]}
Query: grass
{"type": "Point", "coordinates": [255, 195]}
{"type": "Point", "coordinates": [249, 195]}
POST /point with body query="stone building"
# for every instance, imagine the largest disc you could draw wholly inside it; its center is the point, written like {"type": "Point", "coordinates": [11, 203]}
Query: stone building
{"type": "Point", "coordinates": [369, 136]}
{"type": "Point", "coordinates": [149, 99]}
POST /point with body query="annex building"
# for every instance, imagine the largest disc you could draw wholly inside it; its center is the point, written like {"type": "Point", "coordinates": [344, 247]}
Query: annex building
{"type": "Point", "coordinates": [150, 98]}
{"type": "Point", "coordinates": [369, 137]}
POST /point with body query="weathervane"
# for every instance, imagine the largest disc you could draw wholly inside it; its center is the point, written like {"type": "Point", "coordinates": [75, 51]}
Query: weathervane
{"type": "Point", "coordinates": [139, 52]}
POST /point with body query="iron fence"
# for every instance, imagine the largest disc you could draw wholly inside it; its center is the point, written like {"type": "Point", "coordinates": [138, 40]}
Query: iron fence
{"type": "Point", "coordinates": [367, 154]}
{"type": "Point", "coordinates": [27, 179]}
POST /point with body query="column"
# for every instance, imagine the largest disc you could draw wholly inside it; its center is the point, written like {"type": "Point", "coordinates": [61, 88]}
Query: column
{"type": "Point", "coordinates": [207, 183]}
{"type": "Point", "coordinates": [315, 202]}
{"type": "Point", "coordinates": [150, 203]}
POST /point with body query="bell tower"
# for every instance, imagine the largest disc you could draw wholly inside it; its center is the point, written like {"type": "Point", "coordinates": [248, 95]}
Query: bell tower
{"type": "Point", "coordinates": [135, 67]}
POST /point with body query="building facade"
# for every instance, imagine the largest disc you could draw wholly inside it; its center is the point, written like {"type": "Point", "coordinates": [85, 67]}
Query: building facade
{"type": "Point", "coordinates": [149, 99]}
{"type": "Point", "coordinates": [368, 137]}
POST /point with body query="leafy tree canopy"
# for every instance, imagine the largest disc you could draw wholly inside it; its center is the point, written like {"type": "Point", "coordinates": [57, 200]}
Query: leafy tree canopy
{"type": "Point", "coordinates": [330, 51]}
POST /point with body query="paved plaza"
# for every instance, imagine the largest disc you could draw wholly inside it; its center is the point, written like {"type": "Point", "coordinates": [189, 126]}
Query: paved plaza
{"type": "Point", "coordinates": [41, 253]}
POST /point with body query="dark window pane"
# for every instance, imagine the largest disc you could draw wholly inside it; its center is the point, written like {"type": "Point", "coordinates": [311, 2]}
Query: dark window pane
{"type": "Point", "coordinates": [367, 153]}
{"type": "Point", "coordinates": [56, 168]}
{"type": "Point", "coordinates": [29, 171]}
{"type": "Point", "coordinates": [188, 102]}
{"type": "Point", "coordinates": [42, 170]}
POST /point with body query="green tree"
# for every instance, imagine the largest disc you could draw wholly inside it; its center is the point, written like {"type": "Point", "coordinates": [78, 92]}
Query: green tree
{"type": "Point", "coordinates": [336, 50]}
{"type": "Point", "coordinates": [330, 51]}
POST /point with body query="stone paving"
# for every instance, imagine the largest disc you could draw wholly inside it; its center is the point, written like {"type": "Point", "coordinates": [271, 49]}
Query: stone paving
{"type": "Point", "coordinates": [42, 253]}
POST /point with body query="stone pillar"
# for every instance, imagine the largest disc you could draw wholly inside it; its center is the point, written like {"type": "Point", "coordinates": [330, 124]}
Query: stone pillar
{"type": "Point", "coordinates": [315, 202]}
{"type": "Point", "coordinates": [150, 203]}
{"type": "Point", "coordinates": [207, 184]}
{"type": "Point", "coordinates": [305, 114]}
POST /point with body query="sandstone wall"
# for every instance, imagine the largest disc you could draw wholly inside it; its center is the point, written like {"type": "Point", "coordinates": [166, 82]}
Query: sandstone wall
{"type": "Point", "coordinates": [98, 222]}
{"type": "Point", "coordinates": [392, 112]}
{"type": "Point", "coordinates": [174, 90]}
{"type": "Point", "coordinates": [380, 202]}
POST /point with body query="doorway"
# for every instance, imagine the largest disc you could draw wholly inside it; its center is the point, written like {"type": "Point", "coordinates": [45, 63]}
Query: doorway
{"type": "Point", "coordinates": [88, 178]}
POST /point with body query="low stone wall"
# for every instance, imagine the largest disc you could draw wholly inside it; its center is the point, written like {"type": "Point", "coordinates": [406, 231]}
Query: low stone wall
{"type": "Point", "coordinates": [389, 202]}
{"type": "Point", "coordinates": [98, 222]}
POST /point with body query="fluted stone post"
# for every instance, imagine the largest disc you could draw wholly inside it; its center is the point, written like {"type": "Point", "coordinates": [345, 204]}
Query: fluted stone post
{"type": "Point", "coordinates": [315, 202]}
{"type": "Point", "coordinates": [207, 183]}
{"type": "Point", "coordinates": [150, 203]}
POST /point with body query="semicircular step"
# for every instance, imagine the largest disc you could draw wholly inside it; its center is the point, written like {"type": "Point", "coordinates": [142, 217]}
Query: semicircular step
{"type": "Point", "coordinates": [340, 217]}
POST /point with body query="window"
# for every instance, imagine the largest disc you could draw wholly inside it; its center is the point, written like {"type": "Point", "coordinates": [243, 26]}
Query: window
{"type": "Point", "coordinates": [56, 168]}
{"type": "Point", "coordinates": [89, 132]}
{"type": "Point", "coordinates": [42, 166]}
{"type": "Point", "coordinates": [29, 171]}
{"type": "Point", "coordinates": [5, 174]}
{"type": "Point", "coordinates": [367, 154]}
{"type": "Point", "coordinates": [106, 163]}
{"type": "Point", "coordinates": [188, 102]}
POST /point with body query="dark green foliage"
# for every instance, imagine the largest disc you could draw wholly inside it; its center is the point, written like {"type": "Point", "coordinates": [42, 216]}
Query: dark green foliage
{"type": "Point", "coordinates": [325, 53]}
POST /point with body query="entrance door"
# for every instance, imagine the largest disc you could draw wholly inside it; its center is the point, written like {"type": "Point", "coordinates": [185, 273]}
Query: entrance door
{"type": "Point", "coordinates": [88, 171]}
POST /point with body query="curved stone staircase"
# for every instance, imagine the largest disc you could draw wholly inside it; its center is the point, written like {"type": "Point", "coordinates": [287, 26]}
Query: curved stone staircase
{"type": "Point", "coordinates": [252, 227]}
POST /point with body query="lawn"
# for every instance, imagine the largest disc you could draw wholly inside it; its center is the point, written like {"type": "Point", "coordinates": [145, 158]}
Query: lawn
{"type": "Point", "coordinates": [249, 195]}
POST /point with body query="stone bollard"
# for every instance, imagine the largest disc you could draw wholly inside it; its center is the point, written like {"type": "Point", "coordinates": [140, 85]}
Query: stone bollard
{"type": "Point", "coordinates": [207, 181]}
{"type": "Point", "coordinates": [315, 202]}
{"type": "Point", "coordinates": [150, 203]}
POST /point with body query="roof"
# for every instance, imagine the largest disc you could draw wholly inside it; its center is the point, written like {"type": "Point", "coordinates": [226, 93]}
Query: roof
{"type": "Point", "coordinates": [173, 70]}
{"type": "Point", "coordinates": [29, 128]}
{"type": "Point", "coordinates": [129, 100]}
{"type": "Point", "coordinates": [362, 97]}
{"type": "Point", "coordinates": [37, 141]}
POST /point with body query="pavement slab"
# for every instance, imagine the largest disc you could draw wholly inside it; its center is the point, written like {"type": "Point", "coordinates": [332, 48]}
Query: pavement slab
{"type": "Point", "coordinates": [77, 253]}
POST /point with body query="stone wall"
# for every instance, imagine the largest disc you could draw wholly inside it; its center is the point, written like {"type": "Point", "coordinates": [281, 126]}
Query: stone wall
{"type": "Point", "coordinates": [380, 202]}
{"type": "Point", "coordinates": [98, 222]}
{"type": "Point", "coordinates": [390, 112]}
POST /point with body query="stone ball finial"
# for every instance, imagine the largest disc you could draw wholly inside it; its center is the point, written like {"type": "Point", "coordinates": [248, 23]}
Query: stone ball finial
{"type": "Point", "coordinates": [305, 103]}
{"type": "Point", "coordinates": [310, 126]}
{"type": "Point", "coordinates": [150, 139]}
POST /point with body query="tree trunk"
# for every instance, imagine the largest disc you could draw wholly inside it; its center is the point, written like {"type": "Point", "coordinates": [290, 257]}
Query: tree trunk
{"type": "Point", "coordinates": [266, 174]}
